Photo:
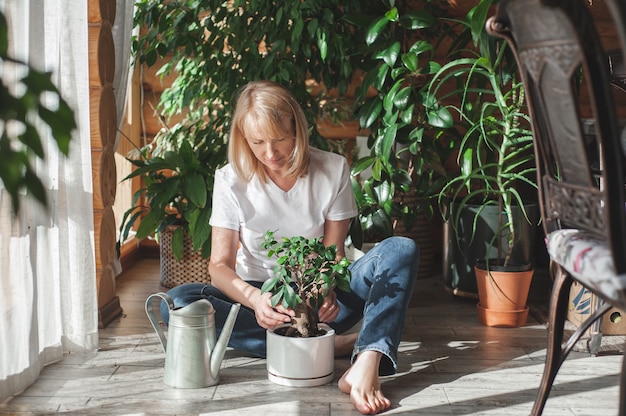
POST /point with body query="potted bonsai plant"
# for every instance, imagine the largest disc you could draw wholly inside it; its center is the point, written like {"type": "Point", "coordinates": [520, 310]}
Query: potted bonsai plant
{"type": "Point", "coordinates": [478, 97]}
{"type": "Point", "coordinates": [302, 353]}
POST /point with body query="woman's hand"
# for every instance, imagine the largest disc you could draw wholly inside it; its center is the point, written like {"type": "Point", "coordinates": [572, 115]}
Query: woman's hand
{"type": "Point", "coordinates": [268, 316]}
{"type": "Point", "coordinates": [330, 307]}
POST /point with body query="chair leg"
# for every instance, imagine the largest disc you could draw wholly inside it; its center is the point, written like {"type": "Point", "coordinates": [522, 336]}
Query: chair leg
{"type": "Point", "coordinates": [554, 355]}
{"type": "Point", "coordinates": [622, 389]}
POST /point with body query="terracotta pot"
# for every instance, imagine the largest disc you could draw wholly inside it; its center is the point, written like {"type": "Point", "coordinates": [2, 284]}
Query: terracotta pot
{"type": "Point", "coordinates": [502, 296]}
{"type": "Point", "coordinates": [301, 362]}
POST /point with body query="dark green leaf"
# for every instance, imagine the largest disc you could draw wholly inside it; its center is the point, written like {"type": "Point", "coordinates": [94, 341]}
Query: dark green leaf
{"type": "Point", "coordinates": [375, 29]}
{"type": "Point", "coordinates": [196, 190]}
{"type": "Point", "coordinates": [178, 243]}
{"type": "Point", "coordinates": [4, 38]}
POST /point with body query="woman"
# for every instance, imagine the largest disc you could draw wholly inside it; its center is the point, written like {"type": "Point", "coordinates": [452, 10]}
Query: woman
{"type": "Point", "coordinates": [276, 181]}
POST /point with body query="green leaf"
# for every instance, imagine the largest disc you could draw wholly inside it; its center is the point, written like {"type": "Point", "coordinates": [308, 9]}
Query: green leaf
{"type": "Point", "coordinates": [34, 186]}
{"type": "Point", "coordinates": [149, 224]}
{"type": "Point", "coordinates": [417, 19]}
{"type": "Point", "coordinates": [370, 111]}
{"type": "Point", "coordinates": [322, 45]}
{"type": "Point", "coordinates": [202, 229]}
{"type": "Point", "coordinates": [375, 29]}
{"type": "Point", "coordinates": [389, 139]}
{"type": "Point", "coordinates": [276, 298]}
{"type": "Point", "coordinates": [466, 161]}
{"type": "Point", "coordinates": [377, 170]}
{"type": "Point", "coordinates": [30, 137]}
{"type": "Point", "coordinates": [401, 99]}
{"type": "Point", "coordinates": [196, 190]}
{"type": "Point", "coordinates": [361, 164]}
{"type": "Point", "coordinates": [289, 297]}
{"type": "Point", "coordinates": [409, 60]}
{"type": "Point", "coordinates": [178, 243]}
{"type": "Point", "coordinates": [185, 152]}
{"type": "Point", "coordinates": [4, 38]}
{"type": "Point", "coordinates": [390, 55]}
{"type": "Point", "coordinates": [269, 285]}
{"type": "Point", "coordinates": [390, 96]}
{"type": "Point", "coordinates": [440, 117]}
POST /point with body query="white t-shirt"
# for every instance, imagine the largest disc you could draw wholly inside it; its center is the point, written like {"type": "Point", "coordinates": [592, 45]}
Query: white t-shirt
{"type": "Point", "coordinates": [252, 208]}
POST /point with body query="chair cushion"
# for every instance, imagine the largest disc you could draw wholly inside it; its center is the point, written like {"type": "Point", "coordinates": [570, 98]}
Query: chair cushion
{"type": "Point", "coordinates": [588, 259]}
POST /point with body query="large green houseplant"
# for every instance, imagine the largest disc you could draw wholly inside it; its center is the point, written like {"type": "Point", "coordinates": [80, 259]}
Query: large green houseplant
{"type": "Point", "coordinates": [407, 158]}
{"type": "Point", "coordinates": [176, 191]}
{"type": "Point", "coordinates": [216, 47]}
{"type": "Point", "coordinates": [213, 48]}
{"type": "Point", "coordinates": [478, 97]}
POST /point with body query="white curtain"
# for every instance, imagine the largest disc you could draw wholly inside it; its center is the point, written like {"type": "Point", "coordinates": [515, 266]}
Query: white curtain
{"type": "Point", "coordinates": [122, 37]}
{"type": "Point", "coordinates": [48, 302]}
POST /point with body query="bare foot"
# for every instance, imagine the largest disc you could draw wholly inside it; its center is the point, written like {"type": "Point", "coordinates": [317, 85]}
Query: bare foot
{"type": "Point", "coordinates": [344, 344]}
{"type": "Point", "coordinates": [361, 382]}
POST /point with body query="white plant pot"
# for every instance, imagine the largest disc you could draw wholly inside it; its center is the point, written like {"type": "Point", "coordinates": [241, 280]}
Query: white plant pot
{"type": "Point", "coordinates": [301, 362]}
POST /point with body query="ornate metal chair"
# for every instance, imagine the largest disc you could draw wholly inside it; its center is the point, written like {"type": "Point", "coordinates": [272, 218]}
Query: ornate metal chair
{"type": "Point", "coordinates": [581, 178]}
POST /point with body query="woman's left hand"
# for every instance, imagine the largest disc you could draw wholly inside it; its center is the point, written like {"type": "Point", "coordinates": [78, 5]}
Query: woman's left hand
{"type": "Point", "coordinates": [330, 308]}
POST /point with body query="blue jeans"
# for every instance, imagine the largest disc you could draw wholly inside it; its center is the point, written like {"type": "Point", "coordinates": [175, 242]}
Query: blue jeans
{"type": "Point", "coordinates": [381, 287]}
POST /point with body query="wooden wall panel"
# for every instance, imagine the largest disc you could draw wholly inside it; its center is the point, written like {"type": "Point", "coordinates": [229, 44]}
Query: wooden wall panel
{"type": "Point", "coordinates": [103, 125]}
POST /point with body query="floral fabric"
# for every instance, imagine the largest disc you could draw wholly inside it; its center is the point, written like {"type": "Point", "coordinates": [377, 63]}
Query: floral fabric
{"type": "Point", "coordinates": [588, 259]}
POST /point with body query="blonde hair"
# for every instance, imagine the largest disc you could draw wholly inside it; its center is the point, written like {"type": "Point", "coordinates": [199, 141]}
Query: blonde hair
{"type": "Point", "coordinates": [265, 105]}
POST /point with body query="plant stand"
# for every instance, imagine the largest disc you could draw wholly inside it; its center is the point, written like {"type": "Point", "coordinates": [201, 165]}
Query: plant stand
{"type": "Point", "coordinates": [301, 362]}
{"type": "Point", "coordinates": [502, 296]}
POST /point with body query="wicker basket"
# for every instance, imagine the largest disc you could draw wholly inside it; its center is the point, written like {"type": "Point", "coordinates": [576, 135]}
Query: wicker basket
{"type": "Point", "coordinates": [424, 232]}
{"type": "Point", "coordinates": [192, 268]}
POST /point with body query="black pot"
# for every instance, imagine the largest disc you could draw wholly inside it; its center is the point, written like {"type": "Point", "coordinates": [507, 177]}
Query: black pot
{"type": "Point", "coordinates": [464, 248]}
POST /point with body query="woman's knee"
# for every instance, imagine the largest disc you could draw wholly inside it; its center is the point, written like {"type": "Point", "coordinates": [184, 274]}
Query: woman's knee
{"type": "Point", "coordinates": [186, 293]}
{"type": "Point", "coordinates": [401, 246]}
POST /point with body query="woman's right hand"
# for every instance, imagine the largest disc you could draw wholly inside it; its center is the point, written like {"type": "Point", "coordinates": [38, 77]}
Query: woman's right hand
{"type": "Point", "coordinates": [268, 316]}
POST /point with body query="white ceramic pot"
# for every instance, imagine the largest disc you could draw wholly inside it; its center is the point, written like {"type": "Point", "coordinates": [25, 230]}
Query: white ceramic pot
{"type": "Point", "coordinates": [301, 362]}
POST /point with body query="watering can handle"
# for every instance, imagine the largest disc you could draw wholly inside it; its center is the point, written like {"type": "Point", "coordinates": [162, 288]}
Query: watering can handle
{"type": "Point", "coordinates": [150, 307]}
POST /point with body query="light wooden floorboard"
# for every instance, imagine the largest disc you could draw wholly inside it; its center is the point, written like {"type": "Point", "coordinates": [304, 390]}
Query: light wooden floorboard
{"type": "Point", "coordinates": [449, 364]}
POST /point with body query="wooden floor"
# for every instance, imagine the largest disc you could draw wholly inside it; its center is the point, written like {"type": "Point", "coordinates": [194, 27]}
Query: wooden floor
{"type": "Point", "coordinates": [449, 365]}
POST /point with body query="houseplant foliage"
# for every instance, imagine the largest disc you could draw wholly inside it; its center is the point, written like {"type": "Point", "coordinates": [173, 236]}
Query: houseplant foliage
{"type": "Point", "coordinates": [407, 155]}
{"type": "Point", "coordinates": [305, 273]}
{"type": "Point", "coordinates": [478, 97]}
{"type": "Point", "coordinates": [176, 191]}
{"type": "Point", "coordinates": [214, 48]}
{"type": "Point", "coordinates": [34, 101]}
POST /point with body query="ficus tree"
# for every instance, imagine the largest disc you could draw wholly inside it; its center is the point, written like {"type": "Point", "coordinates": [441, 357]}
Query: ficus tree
{"type": "Point", "coordinates": [306, 271]}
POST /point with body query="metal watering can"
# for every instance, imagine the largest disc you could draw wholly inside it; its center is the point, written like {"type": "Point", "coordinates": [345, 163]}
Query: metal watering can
{"type": "Point", "coordinates": [193, 356]}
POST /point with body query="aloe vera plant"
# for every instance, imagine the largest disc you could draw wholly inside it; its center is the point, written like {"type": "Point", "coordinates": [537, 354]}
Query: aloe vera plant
{"type": "Point", "coordinates": [495, 153]}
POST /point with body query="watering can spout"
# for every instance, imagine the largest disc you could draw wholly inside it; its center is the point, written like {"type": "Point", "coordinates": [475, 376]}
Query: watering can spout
{"type": "Point", "coordinates": [220, 347]}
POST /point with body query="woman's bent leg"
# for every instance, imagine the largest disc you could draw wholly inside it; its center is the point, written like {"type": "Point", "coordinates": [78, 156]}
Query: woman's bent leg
{"type": "Point", "coordinates": [247, 335]}
{"type": "Point", "coordinates": [382, 285]}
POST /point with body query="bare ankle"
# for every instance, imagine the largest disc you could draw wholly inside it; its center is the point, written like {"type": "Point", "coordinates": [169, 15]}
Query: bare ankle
{"type": "Point", "coordinates": [344, 344]}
